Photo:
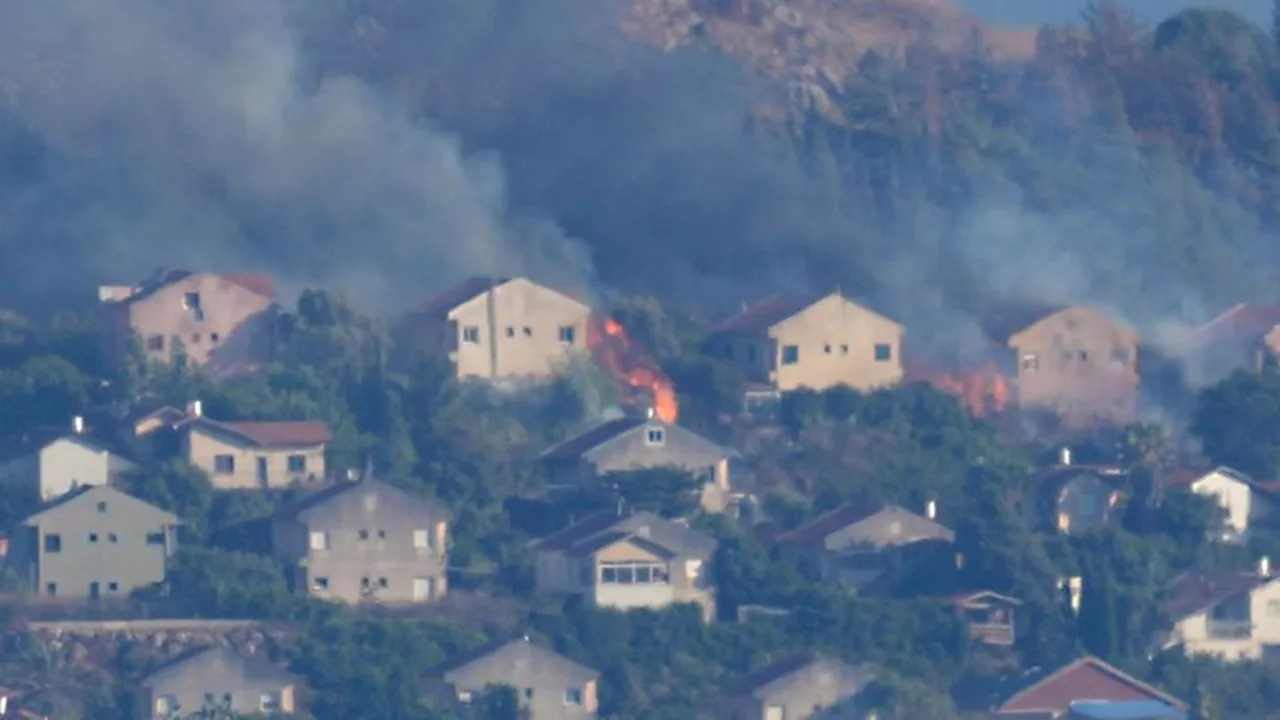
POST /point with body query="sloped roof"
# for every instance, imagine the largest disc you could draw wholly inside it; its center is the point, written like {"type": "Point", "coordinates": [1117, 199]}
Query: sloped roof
{"type": "Point", "coordinates": [1243, 321]}
{"type": "Point", "coordinates": [36, 439]}
{"type": "Point", "coordinates": [443, 302]}
{"type": "Point", "coordinates": [660, 532]}
{"type": "Point", "coordinates": [604, 540]}
{"type": "Point", "coordinates": [963, 598]}
{"type": "Point", "coordinates": [256, 282]}
{"type": "Point", "coordinates": [1190, 593]}
{"type": "Point", "coordinates": [343, 491]}
{"type": "Point", "coordinates": [1000, 322]}
{"type": "Point", "coordinates": [197, 659]}
{"type": "Point", "coordinates": [844, 516]}
{"type": "Point", "coordinates": [97, 491]}
{"type": "Point", "coordinates": [1053, 690]}
{"type": "Point", "coordinates": [765, 314]}
{"type": "Point", "coordinates": [577, 445]}
{"type": "Point", "coordinates": [503, 659]}
{"type": "Point", "coordinates": [266, 434]}
{"type": "Point", "coordinates": [763, 681]}
{"type": "Point", "coordinates": [1184, 478]}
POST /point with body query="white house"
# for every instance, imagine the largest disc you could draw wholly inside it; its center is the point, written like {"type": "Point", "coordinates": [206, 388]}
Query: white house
{"type": "Point", "coordinates": [1242, 500]}
{"type": "Point", "coordinates": [53, 461]}
{"type": "Point", "coordinates": [1235, 616]}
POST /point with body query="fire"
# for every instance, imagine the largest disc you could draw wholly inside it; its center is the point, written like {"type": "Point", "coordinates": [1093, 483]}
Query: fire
{"type": "Point", "coordinates": [632, 367]}
{"type": "Point", "coordinates": [983, 390]}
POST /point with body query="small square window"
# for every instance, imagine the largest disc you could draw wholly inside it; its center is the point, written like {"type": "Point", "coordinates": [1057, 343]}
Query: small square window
{"type": "Point", "coordinates": [884, 352]}
{"type": "Point", "coordinates": [382, 534]}
{"type": "Point", "coordinates": [573, 696]}
{"type": "Point", "coordinates": [53, 543]}
{"type": "Point", "coordinates": [213, 337]}
{"type": "Point", "coordinates": [528, 693]}
{"type": "Point", "coordinates": [155, 538]}
{"type": "Point", "coordinates": [826, 349]}
{"type": "Point", "coordinates": [568, 334]}
{"type": "Point", "coordinates": [155, 343]}
{"type": "Point", "coordinates": [528, 331]}
{"type": "Point", "coordinates": [382, 583]}
{"type": "Point", "coordinates": [844, 349]}
{"type": "Point", "coordinates": [112, 538]}
{"type": "Point", "coordinates": [102, 507]}
{"type": "Point", "coordinates": [364, 535]}
{"type": "Point", "coordinates": [421, 539]}
{"type": "Point", "coordinates": [471, 335]}
{"type": "Point", "coordinates": [113, 587]}
{"type": "Point", "coordinates": [655, 436]}
{"type": "Point", "coordinates": [297, 463]}
{"type": "Point", "coordinates": [511, 332]}
{"type": "Point", "coordinates": [93, 538]}
{"type": "Point", "coordinates": [1030, 362]}
{"type": "Point", "coordinates": [320, 583]}
{"type": "Point", "coordinates": [51, 589]}
{"type": "Point", "coordinates": [790, 354]}
{"type": "Point", "coordinates": [364, 583]}
{"type": "Point", "coordinates": [224, 464]}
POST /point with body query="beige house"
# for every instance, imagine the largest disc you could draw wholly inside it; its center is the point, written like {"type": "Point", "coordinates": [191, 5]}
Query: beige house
{"type": "Point", "coordinates": [212, 678]}
{"type": "Point", "coordinates": [548, 685]}
{"type": "Point", "coordinates": [1245, 504]}
{"type": "Point", "coordinates": [1077, 363]}
{"type": "Point", "coordinates": [500, 329]}
{"type": "Point", "coordinates": [49, 462]}
{"type": "Point", "coordinates": [624, 562]}
{"type": "Point", "coordinates": [225, 322]}
{"type": "Point", "coordinates": [1235, 616]}
{"type": "Point", "coordinates": [255, 455]}
{"type": "Point", "coordinates": [786, 343]}
{"type": "Point", "coordinates": [798, 688]}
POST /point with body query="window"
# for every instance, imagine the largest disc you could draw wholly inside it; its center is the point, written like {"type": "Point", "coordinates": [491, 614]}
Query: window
{"type": "Point", "coordinates": [826, 349]}
{"type": "Point", "coordinates": [112, 538]}
{"type": "Point", "coordinates": [790, 354]}
{"type": "Point", "coordinates": [297, 463]}
{"type": "Point", "coordinates": [166, 704]}
{"type": "Point", "coordinates": [191, 301]}
{"type": "Point", "coordinates": [93, 589]}
{"type": "Point", "coordinates": [319, 541]}
{"type": "Point", "coordinates": [528, 331]}
{"type": "Point", "coordinates": [382, 534]}
{"type": "Point", "coordinates": [155, 538]}
{"type": "Point", "coordinates": [102, 507]}
{"type": "Point", "coordinates": [884, 352]}
{"type": "Point", "coordinates": [224, 464]}
{"type": "Point", "coordinates": [568, 334]}
{"type": "Point", "coordinates": [113, 587]}
{"type": "Point", "coordinates": [573, 696]}
{"type": "Point", "coordinates": [464, 696]}
{"type": "Point", "coordinates": [53, 543]}
{"type": "Point", "coordinates": [773, 712]}
{"type": "Point", "coordinates": [155, 343]}
{"type": "Point", "coordinates": [319, 583]}
{"type": "Point", "coordinates": [655, 436]}
{"type": "Point", "coordinates": [633, 573]}
{"type": "Point", "coordinates": [421, 539]}
{"type": "Point", "coordinates": [51, 589]}
{"type": "Point", "coordinates": [93, 538]}
{"type": "Point", "coordinates": [213, 337]}
{"type": "Point", "coordinates": [844, 349]}
{"type": "Point", "coordinates": [269, 702]}
{"type": "Point", "coordinates": [382, 583]}
{"type": "Point", "coordinates": [471, 335]}
{"type": "Point", "coordinates": [1030, 362]}
{"type": "Point", "coordinates": [528, 693]}
{"type": "Point", "coordinates": [1084, 356]}
{"type": "Point", "coordinates": [511, 332]}
{"type": "Point", "coordinates": [364, 583]}
{"type": "Point", "coordinates": [364, 535]}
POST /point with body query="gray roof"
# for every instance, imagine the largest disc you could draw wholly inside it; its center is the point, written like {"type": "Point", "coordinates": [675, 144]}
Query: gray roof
{"type": "Point", "coordinates": [96, 493]}
{"type": "Point", "coordinates": [347, 492]}
{"type": "Point", "coordinates": [645, 527]}
{"type": "Point", "coordinates": [770, 679]}
{"type": "Point", "coordinates": [583, 443]}
{"type": "Point", "coordinates": [33, 440]}
{"type": "Point", "coordinates": [202, 658]}
{"type": "Point", "coordinates": [506, 658]}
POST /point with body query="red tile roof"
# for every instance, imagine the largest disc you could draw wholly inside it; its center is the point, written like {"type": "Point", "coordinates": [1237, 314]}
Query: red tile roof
{"type": "Point", "coordinates": [1190, 593]}
{"type": "Point", "coordinates": [288, 433]}
{"type": "Point", "coordinates": [838, 519]}
{"type": "Point", "coordinates": [1242, 321]}
{"type": "Point", "coordinates": [764, 314]}
{"type": "Point", "coordinates": [1087, 678]}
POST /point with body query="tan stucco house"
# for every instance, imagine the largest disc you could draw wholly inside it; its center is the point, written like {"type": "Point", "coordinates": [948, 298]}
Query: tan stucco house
{"type": "Point", "coordinates": [224, 322]}
{"type": "Point", "coordinates": [500, 329]}
{"type": "Point", "coordinates": [255, 455]}
{"type": "Point", "coordinates": [785, 343]}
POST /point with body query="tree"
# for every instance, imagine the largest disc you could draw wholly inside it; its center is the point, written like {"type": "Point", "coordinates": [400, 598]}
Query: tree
{"type": "Point", "coordinates": [1238, 421]}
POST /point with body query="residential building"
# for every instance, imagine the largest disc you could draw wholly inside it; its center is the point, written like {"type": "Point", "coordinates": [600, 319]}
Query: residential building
{"type": "Point", "coordinates": [800, 687]}
{"type": "Point", "coordinates": [255, 455]}
{"type": "Point", "coordinates": [628, 561]}
{"type": "Point", "coordinates": [549, 685]}
{"type": "Point", "coordinates": [1244, 337]}
{"type": "Point", "coordinates": [50, 462]}
{"type": "Point", "coordinates": [864, 543]}
{"type": "Point", "coordinates": [93, 542]}
{"type": "Point", "coordinates": [628, 444]}
{"type": "Point", "coordinates": [1235, 616]}
{"type": "Point", "coordinates": [785, 343]}
{"type": "Point", "coordinates": [1244, 503]}
{"type": "Point", "coordinates": [224, 322]}
{"type": "Point", "coordinates": [1076, 363]}
{"type": "Point", "coordinates": [215, 677]}
{"type": "Point", "coordinates": [1050, 693]}
{"type": "Point", "coordinates": [1077, 499]}
{"type": "Point", "coordinates": [365, 541]}
{"type": "Point", "coordinates": [989, 616]}
{"type": "Point", "coordinates": [500, 329]}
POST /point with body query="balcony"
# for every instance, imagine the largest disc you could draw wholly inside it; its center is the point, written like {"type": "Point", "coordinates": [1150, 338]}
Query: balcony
{"type": "Point", "coordinates": [991, 633]}
{"type": "Point", "coordinates": [1230, 629]}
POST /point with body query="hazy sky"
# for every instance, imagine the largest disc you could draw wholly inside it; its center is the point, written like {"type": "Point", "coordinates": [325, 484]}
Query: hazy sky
{"type": "Point", "coordinates": [1021, 12]}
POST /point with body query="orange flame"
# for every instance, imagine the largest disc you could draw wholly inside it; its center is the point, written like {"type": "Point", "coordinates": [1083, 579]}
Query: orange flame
{"type": "Point", "coordinates": [983, 390]}
{"type": "Point", "coordinates": [632, 368]}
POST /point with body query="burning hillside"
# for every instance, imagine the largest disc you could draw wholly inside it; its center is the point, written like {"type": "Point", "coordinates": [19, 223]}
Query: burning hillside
{"type": "Point", "coordinates": [983, 388]}
{"type": "Point", "coordinates": [632, 368]}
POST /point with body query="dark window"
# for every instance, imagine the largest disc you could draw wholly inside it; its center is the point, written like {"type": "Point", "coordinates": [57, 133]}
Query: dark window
{"type": "Point", "coordinates": [51, 589]}
{"type": "Point", "coordinates": [93, 538]}
{"type": "Point", "coordinates": [224, 464]}
{"type": "Point", "coordinates": [790, 354]}
{"type": "Point", "coordinates": [884, 352]}
{"type": "Point", "coordinates": [655, 436]}
{"type": "Point", "coordinates": [826, 349]}
{"type": "Point", "coordinates": [53, 543]}
{"type": "Point", "coordinates": [364, 535]}
{"type": "Point", "coordinates": [111, 538]}
{"type": "Point", "coordinates": [213, 337]}
{"type": "Point", "coordinates": [568, 334]}
{"type": "Point", "coordinates": [511, 332]}
{"type": "Point", "coordinates": [471, 334]}
{"type": "Point", "coordinates": [528, 693]}
{"type": "Point", "coordinates": [155, 343]}
{"type": "Point", "coordinates": [297, 463]}
{"type": "Point", "coordinates": [102, 507]}
{"type": "Point", "coordinates": [382, 534]}
{"type": "Point", "coordinates": [155, 538]}
{"type": "Point", "coordinates": [364, 583]}
{"type": "Point", "coordinates": [528, 331]}
{"type": "Point", "coordinates": [113, 587]}
{"type": "Point", "coordinates": [382, 582]}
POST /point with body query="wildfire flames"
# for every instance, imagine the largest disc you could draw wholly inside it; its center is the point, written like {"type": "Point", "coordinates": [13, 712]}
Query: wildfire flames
{"type": "Point", "coordinates": [983, 390]}
{"type": "Point", "coordinates": [632, 367]}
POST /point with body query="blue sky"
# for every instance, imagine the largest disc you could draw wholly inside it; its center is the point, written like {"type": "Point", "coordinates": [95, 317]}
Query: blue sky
{"type": "Point", "coordinates": [1034, 12]}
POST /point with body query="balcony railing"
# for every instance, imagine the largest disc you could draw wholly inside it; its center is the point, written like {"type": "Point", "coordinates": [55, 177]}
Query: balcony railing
{"type": "Point", "coordinates": [992, 633]}
{"type": "Point", "coordinates": [1230, 629]}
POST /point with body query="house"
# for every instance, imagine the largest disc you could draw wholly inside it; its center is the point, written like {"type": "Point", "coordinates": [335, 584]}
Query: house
{"type": "Point", "coordinates": [255, 455]}
{"type": "Point", "coordinates": [861, 543]}
{"type": "Point", "coordinates": [549, 685]}
{"type": "Point", "coordinates": [365, 541]}
{"type": "Point", "coordinates": [1244, 503]}
{"type": "Point", "coordinates": [799, 687]}
{"type": "Point", "coordinates": [784, 343]}
{"type": "Point", "coordinates": [1245, 336]}
{"type": "Point", "coordinates": [224, 322]}
{"type": "Point", "coordinates": [214, 677]}
{"type": "Point", "coordinates": [1046, 694]}
{"type": "Point", "coordinates": [1124, 710]}
{"type": "Point", "coordinates": [1076, 499]}
{"type": "Point", "coordinates": [499, 329]}
{"type": "Point", "coordinates": [628, 561]}
{"type": "Point", "coordinates": [1076, 363]}
{"type": "Point", "coordinates": [988, 615]}
{"type": "Point", "coordinates": [634, 443]}
{"type": "Point", "coordinates": [1235, 616]}
{"type": "Point", "coordinates": [93, 542]}
{"type": "Point", "coordinates": [53, 461]}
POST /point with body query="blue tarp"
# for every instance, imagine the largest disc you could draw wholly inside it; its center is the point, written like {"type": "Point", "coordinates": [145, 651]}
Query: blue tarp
{"type": "Point", "coordinates": [1139, 710]}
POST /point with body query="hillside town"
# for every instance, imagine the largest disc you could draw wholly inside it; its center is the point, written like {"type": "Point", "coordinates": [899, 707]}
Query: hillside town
{"type": "Point", "coordinates": [636, 509]}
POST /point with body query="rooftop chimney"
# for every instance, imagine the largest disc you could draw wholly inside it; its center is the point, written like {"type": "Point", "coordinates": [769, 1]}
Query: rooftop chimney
{"type": "Point", "coordinates": [77, 424]}
{"type": "Point", "coordinates": [931, 509]}
{"type": "Point", "coordinates": [195, 408]}
{"type": "Point", "coordinates": [1264, 566]}
{"type": "Point", "coordinates": [1064, 456]}
{"type": "Point", "coordinates": [648, 413]}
